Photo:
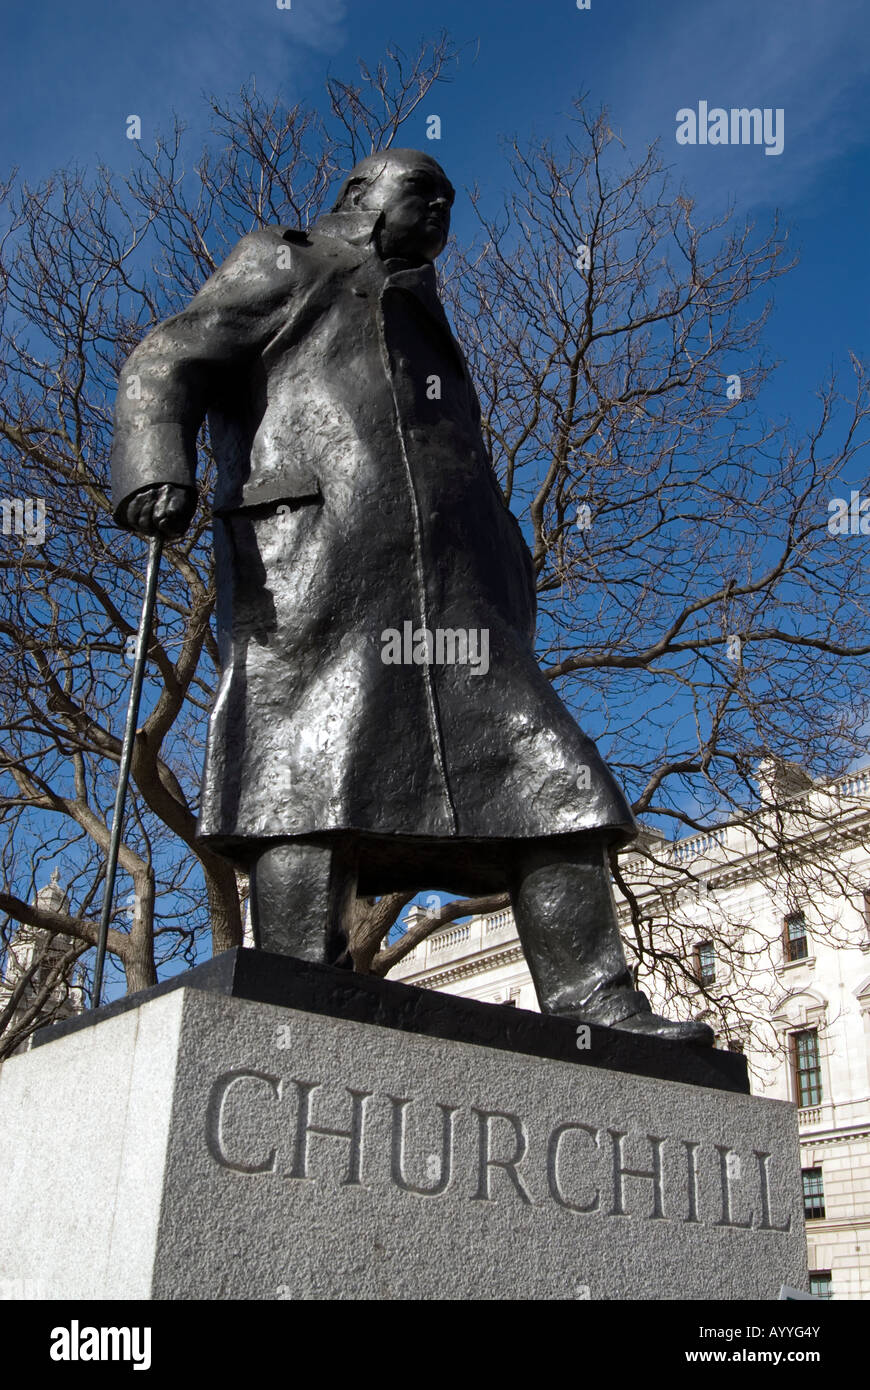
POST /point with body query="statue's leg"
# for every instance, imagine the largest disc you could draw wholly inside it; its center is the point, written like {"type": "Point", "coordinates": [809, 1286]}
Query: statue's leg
{"type": "Point", "coordinates": [566, 917]}
{"type": "Point", "coordinates": [302, 897]}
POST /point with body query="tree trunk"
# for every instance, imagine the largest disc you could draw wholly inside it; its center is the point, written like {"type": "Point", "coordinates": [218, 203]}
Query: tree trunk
{"type": "Point", "coordinates": [225, 914]}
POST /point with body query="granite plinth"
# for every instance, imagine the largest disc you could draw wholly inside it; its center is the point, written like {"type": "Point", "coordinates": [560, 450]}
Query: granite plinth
{"type": "Point", "coordinates": [198, 1143]}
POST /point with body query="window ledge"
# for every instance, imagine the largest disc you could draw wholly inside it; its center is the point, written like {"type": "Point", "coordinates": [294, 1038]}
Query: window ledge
{"type": "Point", "coordinates": [794, 964]}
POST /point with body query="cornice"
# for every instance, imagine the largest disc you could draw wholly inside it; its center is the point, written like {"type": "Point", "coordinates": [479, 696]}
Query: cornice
{"type": "Point", "coordinates": [832, 1137]}
{"type": "Point", "coordinates": [743, 868]}
{"type": "Point", "coordinates": [464, 969]}
{"type": "Point", "coordinates": [818, 1228]}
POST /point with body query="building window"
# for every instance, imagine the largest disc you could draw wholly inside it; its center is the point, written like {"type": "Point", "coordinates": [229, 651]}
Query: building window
{"type": "Point", "coordinates": [795, 937]}
{"type": "Point", "coordinates": [820, 1283]}
{"type": "Point", "coordinates": [814, 1194]}
{"type": "Point", "coordinates": [866, 902]}
{"type": "Point", "coordinates": [735, 1045]}
{"type": "Point", "coordinates": [705, 962]}
{"type": "Point", "coordinates": [807, 1067]}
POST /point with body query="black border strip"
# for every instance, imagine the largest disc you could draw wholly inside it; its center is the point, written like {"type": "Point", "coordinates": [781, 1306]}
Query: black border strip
{"type": "Point", "coordinates": [265, 978]}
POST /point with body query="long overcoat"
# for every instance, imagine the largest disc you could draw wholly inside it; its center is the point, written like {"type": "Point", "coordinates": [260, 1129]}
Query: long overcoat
{"type": "Point", "coordinates": [356, 518]}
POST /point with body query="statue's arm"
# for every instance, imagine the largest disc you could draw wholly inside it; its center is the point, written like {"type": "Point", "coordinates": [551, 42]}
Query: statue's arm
{"type": "Point", "coordinates": [169, 380]}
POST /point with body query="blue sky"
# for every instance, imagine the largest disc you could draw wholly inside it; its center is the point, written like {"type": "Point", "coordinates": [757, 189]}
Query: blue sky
{"type": "Point", "coordinates": [76, 73]}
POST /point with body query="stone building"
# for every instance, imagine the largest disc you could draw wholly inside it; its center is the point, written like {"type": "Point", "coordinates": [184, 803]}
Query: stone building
{"type": "Point", "coordinates": [767, 918]}
{"type": "Point", "coordinates": [31, 958]}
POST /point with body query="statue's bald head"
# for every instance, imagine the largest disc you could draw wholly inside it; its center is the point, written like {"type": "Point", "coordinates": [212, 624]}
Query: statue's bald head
{"type": "Point", "coordinates": [413, 194]}
{"type": "Point", "coordinates": [363, 175]}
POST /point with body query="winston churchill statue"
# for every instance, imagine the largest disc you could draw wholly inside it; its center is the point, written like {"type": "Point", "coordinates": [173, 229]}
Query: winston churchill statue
{"type": "Point", "coordinates": [381, 721]}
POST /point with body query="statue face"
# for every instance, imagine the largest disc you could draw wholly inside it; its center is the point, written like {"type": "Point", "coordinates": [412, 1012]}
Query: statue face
{"type": "Point", "coordinates": [415, 200]}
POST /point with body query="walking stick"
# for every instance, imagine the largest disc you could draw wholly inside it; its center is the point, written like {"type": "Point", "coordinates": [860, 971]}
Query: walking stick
{"type": "Point", "coordinates": [142, 640]}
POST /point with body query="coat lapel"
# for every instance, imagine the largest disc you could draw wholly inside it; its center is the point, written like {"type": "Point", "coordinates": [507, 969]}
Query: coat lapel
{"type": "Point", "coordinates": [419, 281]}
{"type": "Point", "coordinates": [356, 230]}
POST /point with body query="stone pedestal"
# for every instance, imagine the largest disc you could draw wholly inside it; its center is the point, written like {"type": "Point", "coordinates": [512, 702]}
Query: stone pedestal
{"type": "Point", "coordinates": [262, 1129]}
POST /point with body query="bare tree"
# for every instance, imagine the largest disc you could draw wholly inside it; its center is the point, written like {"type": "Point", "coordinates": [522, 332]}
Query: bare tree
{"type": "Point", "coordinates": [690, 594]}
{"type": "Point", "coordinates": [695, 612]}
{"type": "Point", "coordinates": [41, 978]}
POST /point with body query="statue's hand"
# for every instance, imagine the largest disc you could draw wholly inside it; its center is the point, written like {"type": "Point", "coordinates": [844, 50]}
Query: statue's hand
{"type": "Point", "coordinates": [164, 509]}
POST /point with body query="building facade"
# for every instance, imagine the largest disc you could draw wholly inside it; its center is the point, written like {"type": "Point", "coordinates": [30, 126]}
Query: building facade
{"type": "Point", "coordinates": [764, 925]}
{"type": "Point", "coordinates": [37, 985]}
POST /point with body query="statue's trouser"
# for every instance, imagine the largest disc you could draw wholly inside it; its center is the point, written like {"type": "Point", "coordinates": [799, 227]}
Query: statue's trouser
{"type": "Point", "coordinates": [566, 917]}
{"type": "Point", "coordinates": [302, 897]}
{"type": "Point", "coordinates": [302, 894]}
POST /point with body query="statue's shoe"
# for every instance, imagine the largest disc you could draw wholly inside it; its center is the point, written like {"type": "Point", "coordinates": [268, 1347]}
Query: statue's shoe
{"type": "Point", "coordinates": [654, 1026]}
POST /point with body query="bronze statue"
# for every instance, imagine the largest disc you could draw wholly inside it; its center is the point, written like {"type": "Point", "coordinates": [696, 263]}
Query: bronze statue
{"type": "Point", "coordinates": [381, 722]}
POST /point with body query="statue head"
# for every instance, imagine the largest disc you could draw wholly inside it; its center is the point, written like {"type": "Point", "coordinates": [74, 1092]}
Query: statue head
{"type": "Point", "coordinates": [412, 193]}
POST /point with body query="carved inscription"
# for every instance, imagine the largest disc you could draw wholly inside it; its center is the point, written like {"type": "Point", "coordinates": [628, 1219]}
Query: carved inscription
{"type": "Point", "coordinates": [257, 1124]}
